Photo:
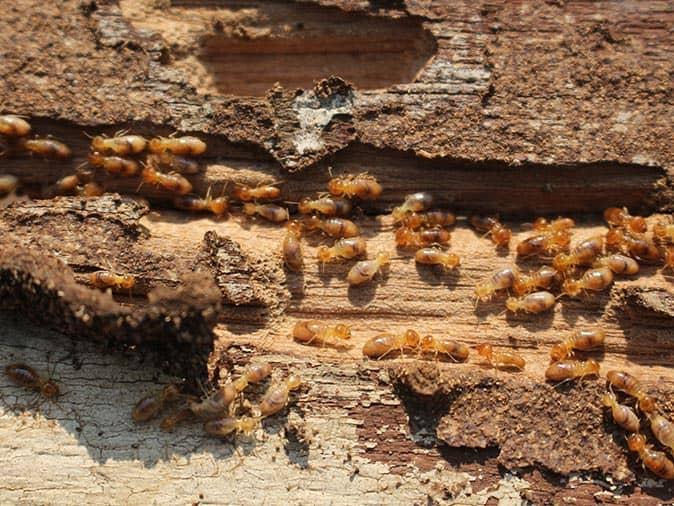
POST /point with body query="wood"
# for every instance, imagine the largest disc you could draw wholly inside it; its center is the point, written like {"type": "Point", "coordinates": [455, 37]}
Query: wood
{"type": "Point", "coordinates": [516, 107]}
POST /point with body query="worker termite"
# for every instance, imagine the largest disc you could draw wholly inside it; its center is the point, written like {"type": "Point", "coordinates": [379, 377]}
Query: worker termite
{"type": "Point", "coordinates": [218, 206]}
{"type": "Point", "coordinates": [500, 280]}
{"type": "Point", "coordinates": [47, 148]}
{"type": "Point", "coordinates": [8, 183]}
{"type": "Point", "coordinates": [580, 340]}
{"type": "Point", "coordinates": [365, 270]}
{"type": "Point", "coordinates": [247, 194]}
{"type": "Point", "coordinates": [149, 407]}
{"type": "Point", "coordinates": [119, 145]}
{"type": "Point", "coordinates": [270, 212]}
{"type": "Point", "coordinates": [347, 248]}
{"type": "Point", "coordinates": [329, 206]}
{"type": "Point", "coordinates": [14, 126]}
{"type": "Point", "coordinates": [383, 344]}
{"type": "Point", "coordinates": [500, 359]}
{"type": "Point", "coordinates": [25, 376]}
{"type": "Point", "coordinates": [175, 163]}
{"type": "Point", "coordinates": [91, 189]}
{"type": "Point", "coordinates": [67, 184]}
{"type": "Point", "coordinates": [499, 234]}
{"type": "Point", "coordinates": [619, 264]}
{"type": "Point", "coordinates": [435, 256]}
{"type": "Point", "coordinates": [444, 348]}
{"type": "Point", "coordinates": [114, 164]}
{"type": "Point", "coordinates": [192, 146]}
{"type": "Point", "coordinates": [543, 225]}
{"type": "Point", "coordinates": [407, 237]}
{"type": "Point", "coordinates": [414, 203]}
{"type": "Point", "coordinates": [642, 248]}
{"type": "Point", "coordinates": [627, 383]}
{"type": "Point", "coordinates": [535, 302]}
{"type": "Point", "coordinates": [428, 219]}
{"type": "Point", "coordinates": [656, 462]}
{"type": "Point", "coordinates": [107, 279]}
{"type": "Point", "coordinates": [169, 422]}
{"type": "Point", "coordinates": [542, 278]}
{"type": "Point", "coordinates": [314, 331]}
{"type": "Point", "coordinates": [663, 430]}
{"type": "Point", "coordinates": [171, 182]}
{"type": "Point", "coordinates": [292, 247]}
{"type": "Point", "coordinates": [549, 243]}
{"type": "Point", "coordinates": [582, 254]}
{"type": "Point", "coordinates": [622, 218]}
{"type": "Point", "coordinates": [664, 232]}
{"type": "Point", "coordinates": [596, 279]}
{"type": "Point", "coordinates": [622, 415]}
{"type": "Point", "coordinates": [223, 427]}
{"type": "Point", "coordinates": [276, 397]}
{"type": "Point", "coordinates": [571, 369]}
{"type": "Point", "coordinates": [668, 257]}
{"type": "Point", "coordinates": [334, 227]}
{"type": "Point", "coordinates": [362, 186]}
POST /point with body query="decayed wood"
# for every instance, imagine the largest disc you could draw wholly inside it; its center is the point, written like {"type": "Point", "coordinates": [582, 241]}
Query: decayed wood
{"type": "Point", "coordinates": [524, 108]}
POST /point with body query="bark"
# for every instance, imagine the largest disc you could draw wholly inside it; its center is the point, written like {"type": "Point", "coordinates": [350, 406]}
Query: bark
{"type": "Point", "coordinates": [519, 108]}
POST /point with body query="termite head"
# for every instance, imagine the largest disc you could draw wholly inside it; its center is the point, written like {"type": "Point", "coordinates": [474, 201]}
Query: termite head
{"type": "Point", "coordinates": [170, 392]}
{"type": "Point", "coordinates": [636, 442]}
{"type": "Point", "coordinates": [647, 404]}
{"type": "Point", "coordinates": [248, 424]}
{"type": "Point", "coordinates": [484, 350]}
{"type": "Point", "coordinates": [483, 292]}
{"type": "Point", "coordinates": [572, 287]}
{"type": "Point", "coordinates": [562, 262]}
{"type": "Point", "coordinates": [293, 382]}
{"type": "Point", "coordinates": [127, 282]}
{"type": "Point", "coordinates": [608, 399]}
{"type": "Point", "coordinates": [411, 338]}
{"type": "Point", "coordinates": [249, 208]}
{"type": "Point", "coordinates": [383, 258]}
{"type": "Point", "coordinates": [513, 304]}
{"type": "Point", "coordinates": [323, 253]}
{"type": "Point", "coordinates": [426, 342]}
{"type": "Point", "coordinates": [502, 236]}
{"type": "Point", "coordinates": [156, 145]}
{"type": "Point", "coordinates": [219, 205]}
{"type": "Point", "coordinates": [342, 331]}
{"type": "Point", "coordinates": [614, 238]}
{"type": "Point", "coordinates": [98, 143]}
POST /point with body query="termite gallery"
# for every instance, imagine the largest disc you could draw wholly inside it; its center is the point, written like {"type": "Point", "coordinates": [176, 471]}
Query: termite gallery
{"type": "Point", "coordinates": [25, 376]}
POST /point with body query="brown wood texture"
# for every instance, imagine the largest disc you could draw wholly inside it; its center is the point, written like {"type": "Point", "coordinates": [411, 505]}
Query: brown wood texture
{"type": "Point", "coordinates": [520, 108]}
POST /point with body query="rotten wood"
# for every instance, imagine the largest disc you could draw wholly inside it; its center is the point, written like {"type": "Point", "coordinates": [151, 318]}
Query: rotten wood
{"type": "Point", "coordinates": [522, 108]}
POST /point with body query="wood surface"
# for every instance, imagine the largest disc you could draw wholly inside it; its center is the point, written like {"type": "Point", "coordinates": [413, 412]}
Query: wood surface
{"type": "Point", "coordinates": [520, 108]}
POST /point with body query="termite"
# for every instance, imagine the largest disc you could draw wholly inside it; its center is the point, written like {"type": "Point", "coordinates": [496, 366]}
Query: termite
{"type": "Point", "coordinates": [171, 182]}
{"type": "Point", "coordinates": [14, 126]}
{"type": "Point", "coordinates": [535, 302]}
{"type": "Point", "coordinates": [542, 278]}
{"type": "Point", "coordinates": [583, 340]}
{"type": "Point", "coordinates": [169, 422]}
{"type": "Point", "coordinates": [500, 359]}
{"type": "Point", "coordinates": [223, 427]}
{"type": "Point", "coordinates": [276, 397]}
{"type": "Point", "coordinates": [622, 415]}
{"type": "Point", "coordinates": [627, 383]}
{"type": "Point", "coordinates": [67, 184]}
{"type": "Point", "coordinates": [500, 280]}
{"type": "Point", "coordinates": [543, 225]}
{"type": "Point", "coordinates": [622, 218]}
{"type": "Point", "coordinates": [663, 430]}
{"type": "Point", "coordinates": [362, 186]}
{"type": "Point", "coordinates": [114, 164]}
{"type": "Point", "coordinates": [642, 248]}
{"type": "Point", "coordinates": [175, 163]}
{"type": "Point", "coordinates": [435, 256]}
{"type": "Point", "coordinates": [365, 270]}
{"type": "Point", "coordinates": [414, 203]}
{"type": "Point", "coordinates": [656, 462]}
{"type": "Point", "coordinates": [292, 247]}
{"type": "Point", "coordinates": [383, 344]}
{"type": "Point", "coordinates": [25, 376]}
{"type": "Point", "coordinates": [583, 254]}
{"type": "Point", "coordinates": [149, 407]}
{"type": "Point", "coordinates": [407, 237]}
{"type": "Point", "coordinates": [428, 219]}
{"type": "Point", "coordinates": [328, 206]}
{"type": "Point", "coordinates": [444, 347]}
{"type": "Point", "coordinates": [91, 189]}
{"type": "Point", "coordinates": [334, 227]}
{"type": "Point", "coordinates": [346, 248]}
{"type": "Point", "coordinates": [571, 369]}
{"type": "Point", "coordinates": [120, 145]}
{"type": "Point", "coordinates": [107, 279]}
{"type": "Point", "coordinates": [499, 234]}
{"type": "Point", "coordinates": [664, 231]}
{"type": "Point", "coordinates": [549, 243]}
{"type": "Point", "coordinates": [192, 146]}
{"type": "Point", "coordinates": [218, 206]}
{"type": "Point", "coordinates": [247, 194]}
{"type": "Point", "coordinates": [8, 183]}
{"type": "Point", "coordinates": [596, 279]}
{"type": "Point", "coordinates": [314, 331]}
{"type": "Point", "coordinates": [619, 264]}
{"type": "Point", "coordinates": [47, 148]}
{"type": "Point", "coordinates": [270, 212]}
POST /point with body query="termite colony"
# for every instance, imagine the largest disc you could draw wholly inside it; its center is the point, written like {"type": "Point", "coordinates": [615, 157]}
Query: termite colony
{"type": "Point", "coordinates": [226, 410]}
